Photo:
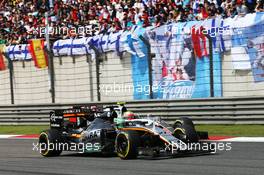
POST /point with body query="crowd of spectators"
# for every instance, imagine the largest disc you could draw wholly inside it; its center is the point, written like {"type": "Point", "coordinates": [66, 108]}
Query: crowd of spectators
{"type": "Point", "coordinates": [21, 20]}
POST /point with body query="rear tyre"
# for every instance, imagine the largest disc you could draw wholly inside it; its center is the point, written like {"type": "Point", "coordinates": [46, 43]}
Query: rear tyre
{"type": "Point", "coordinates": [127, 144]}
{"type": "Point", "coordinates": [186, 134]}
{"type": "Point", "coordinates": [49, 143]}
{"type": "Point", "coordinates": [182, 121]}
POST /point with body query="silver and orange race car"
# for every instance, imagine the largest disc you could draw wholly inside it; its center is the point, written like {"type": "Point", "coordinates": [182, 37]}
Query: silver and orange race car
{"type": "Point", "coordinates": [114, 130]}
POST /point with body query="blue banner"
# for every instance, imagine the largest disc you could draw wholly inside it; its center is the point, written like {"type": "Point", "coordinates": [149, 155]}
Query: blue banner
{"type": "Point", "coordinates": [178, 72]}
{"type": "Point", "coordinates": [140, 71]}
{"type": "Point", "coordinates": [250, 40]}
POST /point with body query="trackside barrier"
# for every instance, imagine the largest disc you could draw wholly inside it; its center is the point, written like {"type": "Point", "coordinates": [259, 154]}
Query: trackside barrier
{"type": "Point", "coordinates": [246, 110]}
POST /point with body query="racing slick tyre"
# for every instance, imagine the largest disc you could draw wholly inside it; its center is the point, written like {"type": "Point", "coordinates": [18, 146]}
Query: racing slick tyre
{"type": "Point", "coordinates": [186, 134]}
{"type": "Point", "coordinates": [183, 121]}
{"type": "Point", "coordinates": [126, 144]}
{"type": "Point", "coordinates": [49, 143]}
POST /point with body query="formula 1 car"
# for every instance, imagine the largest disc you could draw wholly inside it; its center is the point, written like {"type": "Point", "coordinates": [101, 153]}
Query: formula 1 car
{"type": "Point", "coordinates": [114, 130]}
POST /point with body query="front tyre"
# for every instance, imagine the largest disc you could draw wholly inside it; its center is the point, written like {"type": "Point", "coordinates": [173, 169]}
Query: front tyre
{"type": "Point", "coordinates": [127, 145]}
{"type": "Point", "coordinates": [49, 143]}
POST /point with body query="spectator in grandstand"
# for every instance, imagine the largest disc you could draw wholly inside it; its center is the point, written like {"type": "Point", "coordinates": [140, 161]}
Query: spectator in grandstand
{"type": "Point", "coordinates": [219, 12]}
{"type": "Point", "coordinates": [225, 5]}
{"type": "Point", "coordinates": [139, 5]}
{"type": "Point", "coordinates": [231, 10]}
{"type": "Point", "coordinates": [21, 20]}
{"type": "Point", "coordinates": [242, 8]}
{"type": "Point", "coordinates": [202, 13]}
{"type": "Point", "coordinates": [259, 6]}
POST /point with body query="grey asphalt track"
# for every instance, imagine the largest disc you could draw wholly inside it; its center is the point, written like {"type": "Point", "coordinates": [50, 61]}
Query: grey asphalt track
{"type": "Point", "coordinates": [17, 157]}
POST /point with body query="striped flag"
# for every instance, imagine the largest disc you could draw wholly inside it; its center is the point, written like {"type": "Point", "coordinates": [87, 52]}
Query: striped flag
{"type": "Point", "coordinates": [2, 62]}
{"type": "Point", "coordinates": [36, 48]}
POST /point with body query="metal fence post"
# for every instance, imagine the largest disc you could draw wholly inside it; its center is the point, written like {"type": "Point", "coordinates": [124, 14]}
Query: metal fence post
{"type": "Point", "coordinates": [90, 77]}
{"type": "Point", "coordinates": [146, 42]}
{"type": "Point", "coordinates": [98, 78]}
{"type": "Point", "coordinates": [52, 76]}
{"type": "Point", "coordinates": [50, 59]}
{"type": "Point", "coordinates": [11, 77]}
{"type": "Point", "coordinates": [211, 62]}
{"type": "Point", "coordinates": [97, 62]}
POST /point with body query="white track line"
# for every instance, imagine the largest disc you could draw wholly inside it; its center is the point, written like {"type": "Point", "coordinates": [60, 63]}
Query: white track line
{"type": "Point", "coordinates": [234, 139]}
{"type": "Point", "coordinates": [7, 136]}
{"type": "Point", "coordinates": [244, 139]}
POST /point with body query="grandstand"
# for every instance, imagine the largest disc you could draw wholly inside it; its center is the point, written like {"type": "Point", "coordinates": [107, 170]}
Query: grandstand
{"type": "Point", "coordinates": [22, 20]}
{"type": "Point", "coordinates": [160, 52]}
{"type": "Point", "coordinates": [129, 50]}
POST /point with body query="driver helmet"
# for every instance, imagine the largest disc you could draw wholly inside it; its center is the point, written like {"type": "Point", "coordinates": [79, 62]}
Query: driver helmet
{"type": "Point", "coordinates": [129, 115]}
{"type": "Point", "coordinates": [94, 108]}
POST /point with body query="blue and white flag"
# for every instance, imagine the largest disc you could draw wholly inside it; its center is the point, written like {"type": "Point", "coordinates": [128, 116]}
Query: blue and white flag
{"type": "Point", "coordinates": [71, 47]}
{"type": "Point", "coordinates": [220, 34]}
{"type": "Point", "coordinates": [124, 42]}
{"type": "Point", "coordinates": [137, 43]}
{"type": "Point", "coordinates": [114, 42]}
{"type": "Point", "coordinates": [79, 47]}
{"type": "Point", "coordinates": [18, 52]}
{"type": "Point", "coordinates": [62, 47]}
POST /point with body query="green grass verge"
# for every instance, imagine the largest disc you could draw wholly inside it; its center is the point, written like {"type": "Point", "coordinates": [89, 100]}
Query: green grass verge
{"type": "Point", "coordinates": [22, 129]}
{"type": "Point", "coordinates": [224, 130]}
{"type": "Point", "coordinates": [233, 130]}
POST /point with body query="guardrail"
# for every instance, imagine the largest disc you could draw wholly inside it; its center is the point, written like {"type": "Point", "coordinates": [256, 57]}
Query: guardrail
{"type": "Point", "coordinates": [246, 110]}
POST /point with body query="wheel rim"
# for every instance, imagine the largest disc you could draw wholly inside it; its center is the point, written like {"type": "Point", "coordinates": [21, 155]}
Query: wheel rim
{"type": "Point", "coordinates": [43, 144]}
{"type": "Point", "coordinates": [122, 145]}
{"type": "Point", "coordinates": [180, 134]}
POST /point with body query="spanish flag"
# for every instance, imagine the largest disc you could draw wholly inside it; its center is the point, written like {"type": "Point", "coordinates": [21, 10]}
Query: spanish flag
{"type": "Point", "coordinates": [36, 48]}
{"type": "Point", "coordinates": [2, 62]}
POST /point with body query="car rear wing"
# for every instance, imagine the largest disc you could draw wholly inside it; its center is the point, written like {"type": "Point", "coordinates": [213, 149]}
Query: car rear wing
{"type": "Point", "coordinates": [72, 115]}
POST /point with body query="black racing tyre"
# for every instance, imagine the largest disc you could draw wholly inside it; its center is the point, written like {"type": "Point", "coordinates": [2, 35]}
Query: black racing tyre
{"type": "Point", "coordinates": [49, 143]}
{"type": "Point", "coordinates": [186, 134]}
{"type": "Point", "coordinates": [183, 121]}
{"type": "Point", "coordinates": [126, 144]}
